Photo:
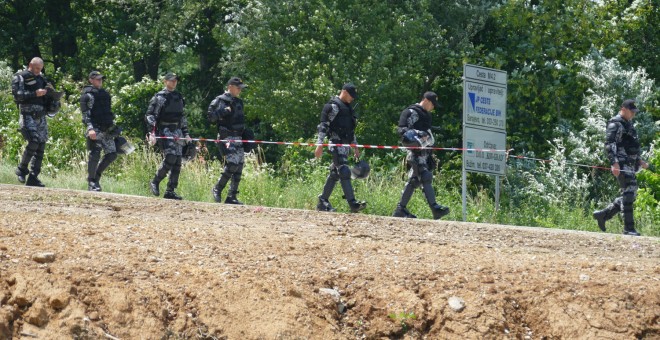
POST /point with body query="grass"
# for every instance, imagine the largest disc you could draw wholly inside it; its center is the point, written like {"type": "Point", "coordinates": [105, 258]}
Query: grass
{"type": "Point", "coordinates": [299, 187]}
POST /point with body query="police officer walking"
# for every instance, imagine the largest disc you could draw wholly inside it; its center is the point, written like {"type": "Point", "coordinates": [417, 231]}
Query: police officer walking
{"type": "Point", "coordinates": [226, 111]}
{"type": "Point", "coordinates": [29, 88]}
{"type": "Point", "coordinates": [165, 118]}
{"type": "Point", "coordinates": [101, 130]}
{"type": "Point", "coordinates": [415, 130]}
{"type": "Point", "coordinates": [338, 123]}
{"type": "Point", "coordinates": [622, 147]}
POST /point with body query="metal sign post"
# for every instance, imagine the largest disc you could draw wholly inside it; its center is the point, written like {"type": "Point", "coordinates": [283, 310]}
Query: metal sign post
{"type": "Point", "coordinates": [484, 125]}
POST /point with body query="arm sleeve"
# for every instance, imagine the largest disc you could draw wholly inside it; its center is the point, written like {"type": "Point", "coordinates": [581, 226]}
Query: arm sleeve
{"type": "Point", "coordinates": [86, 104]}
{"type": "Point", "coordinates": [155, 104]}
{"type": "Point", "coordinates": [404, 122]}
{"type": "Point", "coordinates": [612, 137]}
{"type": "Point", "coordinates": [324, 126]}
{"type": "Point", "coordinates": [19, 91]}
{"type": "Point", "coordinates": [184, 126]}
{"type": "Point", "coordinates": [217, 110]}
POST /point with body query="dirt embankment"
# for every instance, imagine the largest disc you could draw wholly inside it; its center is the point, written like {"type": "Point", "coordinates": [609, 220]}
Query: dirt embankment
{"type": "Point", "coordinates": [95, 265]}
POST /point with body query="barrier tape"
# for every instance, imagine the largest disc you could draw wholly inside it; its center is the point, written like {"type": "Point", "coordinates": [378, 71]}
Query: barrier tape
{"type": "Point", "coordinates": [390, 147]}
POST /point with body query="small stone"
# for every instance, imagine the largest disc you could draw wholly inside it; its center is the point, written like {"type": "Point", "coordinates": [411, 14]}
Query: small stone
{"type": "Point", "coordinates": [37, 315]}
{"type": "Point", "coordinates": [271, 257]}
{"type": "Point", "coordinates": [43, 257]}
{"type": "Point", "coordinates": [94, 316]}
{"type": "Point", "coordinates": [341, 308]}
{"type": "Point", "coordinates": [584, 277]}
{"type": "Point", "coordinates": [59, 300]}
{"type": "Point", "coordinates": [456, 303]}
{"type": "Point", "coordinates": [333, 293]}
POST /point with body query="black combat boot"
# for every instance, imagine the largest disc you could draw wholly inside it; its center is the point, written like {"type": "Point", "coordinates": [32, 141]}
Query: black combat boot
{"type": "Point", "coordinates": [439, 211]}
{"type": "Point", "coordinates": [357, 206]}
{"type": "Point", "coordinates": [33, 181]}
{"type": "Point", "coordinates": [631, 231]}
{"type": "Point", "coordinates": [602, 216]}
{"type": "Point", "coordinates": [217, 194]}
{"type": "Point", "coordinates": [155, 188]}
{"type": "Point", "coordinates": [21, 174]}
{"type": "Point", "coordinates": [324, 205]}
{"type": "Point", "coordinates": [401, 211]}
{"type": "Point", "coordinates": [93, 186]}
{"type": "Point", "coordinates": [231, 199]}
{"type": "Point", "coordinates": [171, 195]}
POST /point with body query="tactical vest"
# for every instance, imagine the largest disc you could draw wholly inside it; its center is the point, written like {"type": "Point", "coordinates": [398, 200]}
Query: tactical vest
{"type": "Point", "coordinates": [344, 123]}
{"type": "Point", "coordinates": [101, 111]}
{"type": "Point", "coordinates": [33, 83]}
{"type": "Point", "coordinates": [629, 138]}
{"type": "Point", "coordinates": [424, 121]}
{"type": "Point", "coordinates": [172, 111]}
{"type": "Point", "coordinates": [235, 121]}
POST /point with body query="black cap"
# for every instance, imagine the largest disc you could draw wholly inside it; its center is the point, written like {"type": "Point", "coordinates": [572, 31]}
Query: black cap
{"type": "Point", "coordinates": [171, 76]}
{"type": "Point", "coordinates": [431, 96]}
{"type": "Point", "coordinates": [236, 81]}
{"type": "Point", "coordinates": [351, 89]}
{"type": "Point", "coordinates": [95, 75]}
{"type": "Point", "coordinates": [630, 105]}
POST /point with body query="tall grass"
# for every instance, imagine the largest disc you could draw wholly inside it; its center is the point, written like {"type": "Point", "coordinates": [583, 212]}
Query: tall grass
{"type": "Point", "coordinates": [299, 187]}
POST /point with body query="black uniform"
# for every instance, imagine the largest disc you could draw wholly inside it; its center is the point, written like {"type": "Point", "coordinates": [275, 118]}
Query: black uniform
{"type": "Point", "coordinates": [226, 111]}
{"type": "Point", "coordinates": [165, 117]}
{"type": "Point", "coordinates": [32, 121]}
{"type": "Point", "coordinates": [95, 105]}
{"type": "Point", "coordinates": [622, 147]}
{"type": "Point", "coordinates": [338, 123]}
{"type": "Point", "coordinates": [416, 118]}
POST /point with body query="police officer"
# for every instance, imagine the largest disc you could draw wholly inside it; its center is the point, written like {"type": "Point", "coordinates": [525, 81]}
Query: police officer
{"type": "Point", "coordinates": [29, 88]}
{"type": "Point", "coordinates": [226, 111]}
{"type": "Point", "coordinates": [622, 147]}
{"type": "Point", "coordinates": [101, 130]}
{"type": "Point", "coordinates": [165, 118]}
{"type": "Point", "coordinates": [338, 123]}
{"type": "Point", "coordinates": [415, 130]}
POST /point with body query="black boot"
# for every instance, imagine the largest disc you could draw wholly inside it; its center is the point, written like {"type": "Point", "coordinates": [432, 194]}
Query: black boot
{"type": "Point", "coordinates": [630, 231]}
{"type": "Point", "coordinates": [93, 186]}
{"type": "Point", "coordinates": [217, 194]}
{"type": "Point", "coordinates": [401, 211]}
{"type": "Point", "coordinates": [599, 215]}
{"type": "Point", "coordinates": [21, 174]}
{"type": "Point", "coordinates": [357, 206]}
{"type": "Point", "coordinates": [602, 216]}
{"type": "Point", "coordinates": [439, 211]}
{"type": "Point", "coordinates": [155, 188]}
{"type": "Point", "coordinates": [33, 181]}
{"type": "Point", "coordinates": [231, 199]}
{"type": "Point", "coordinates": [324, 205]}
{"type": "Point", "coordinates": [171, 195]}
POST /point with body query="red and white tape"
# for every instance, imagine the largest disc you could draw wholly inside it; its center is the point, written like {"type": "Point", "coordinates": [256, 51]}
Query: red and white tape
{"type": "Point", "coordinates": [391, 147]}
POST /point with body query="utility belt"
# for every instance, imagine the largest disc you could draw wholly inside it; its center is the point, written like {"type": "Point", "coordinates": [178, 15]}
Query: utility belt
{"type": "Point", "coordinates": [628, 159]}
{"type": "Point", "coordinates": [225, 132]}
{"type": "Point", "coordinates": [34, 110]}
{"type": "Point", "coordinates": [169, 125]}
{"type": "Point", "coordinates": [107, 127]}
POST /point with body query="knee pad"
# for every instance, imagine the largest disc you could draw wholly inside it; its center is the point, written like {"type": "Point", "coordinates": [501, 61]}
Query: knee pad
{"type": "Point", "coordinates": [32, 146]}
{"type": "Point", "coordinates": [110, 157]}
{"type": "Point", "coordinates": [94, 156]}
{"type": "Point", "coordinates": [233, 167]}
{"type": "Point", "coordinates": [344, 172]}
{"type": "Point", "coordinates": [628, 199]}
{"type": "Point", "coordinates": [426, 176]}
{"type": "Point", "coordinates": [170, 160]}
{"type": "Point", "coordinates": [414, 182]}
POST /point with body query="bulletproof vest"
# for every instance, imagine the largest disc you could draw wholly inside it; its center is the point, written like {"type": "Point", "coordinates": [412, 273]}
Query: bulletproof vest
{"type": "Point", "coordinates": [424, 121]}
{"type": "Point", "coordinates": [101, 112]}
{"type": "Point", "coordinates": [344, 123]}
{"type": "Point", "coordinates": [236, 120]}
{"type": "Point", "coordinates": [172, 111]}
{"type": "Point", "coordinates": [629, 138]}
{"type": "Point", "coordinates": [33, 83]}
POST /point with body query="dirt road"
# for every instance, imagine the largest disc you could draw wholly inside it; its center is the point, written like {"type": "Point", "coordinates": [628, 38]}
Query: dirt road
{"type": "Point", "coordinates": [96, 265]}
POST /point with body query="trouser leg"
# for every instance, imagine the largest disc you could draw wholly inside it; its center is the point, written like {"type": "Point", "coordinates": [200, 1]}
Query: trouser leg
{"type": "Point", "coordinates": [168, 163]}
{"type": "Point", "coordinates": [173, 182]}
{"type": "Point", "coordinates": [236, 174]}
{"type": "Point", "coordinates": [108, 158]}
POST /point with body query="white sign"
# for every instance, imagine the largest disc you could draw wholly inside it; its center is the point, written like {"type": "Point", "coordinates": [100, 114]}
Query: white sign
{"type": "Point", "coordinates": [485, 105]}
{"type": "Point", "coordinates": [482, 158]}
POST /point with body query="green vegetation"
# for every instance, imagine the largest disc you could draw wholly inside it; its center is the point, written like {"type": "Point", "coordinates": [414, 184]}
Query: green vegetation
{"type": "Point", "coordinates": [570, 64]}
